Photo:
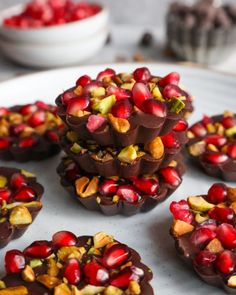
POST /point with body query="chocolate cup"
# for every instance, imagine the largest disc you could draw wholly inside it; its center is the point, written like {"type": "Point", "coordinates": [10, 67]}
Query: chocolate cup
{"type": "Point", "coordinates": [35, 288]}
{"type": "Point", "coordinates": [143, 127]}
{"type": "Point", "coordinates": [225, 171]}
{"type": "Point", "coordinates": [8, 231]}
{"type": "Point", "coordinates": [107, 207]}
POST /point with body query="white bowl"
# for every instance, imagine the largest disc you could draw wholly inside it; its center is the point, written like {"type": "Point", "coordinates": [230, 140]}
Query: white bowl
{"type": "Point", "coordinates": [54, 34]}
{"type": "Point", "coordinates": [57, 54]}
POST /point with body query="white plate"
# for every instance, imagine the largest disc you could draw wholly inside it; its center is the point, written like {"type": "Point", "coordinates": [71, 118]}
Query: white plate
{"type": "Point", "coordinates": [147, 233]}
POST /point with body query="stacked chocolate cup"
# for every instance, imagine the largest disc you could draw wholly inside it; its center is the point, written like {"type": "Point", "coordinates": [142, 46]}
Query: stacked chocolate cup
{"type": "Point", "coordinates": [123, 139]}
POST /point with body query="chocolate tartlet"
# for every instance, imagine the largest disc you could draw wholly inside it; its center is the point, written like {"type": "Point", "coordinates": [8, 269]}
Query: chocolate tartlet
{"type": "Point", "coordinates": [20, 195]}
{"type": "Point", "coordinates": [213, 144]}
{"type": "Point", "coordinates": [70, 265]}
{"type": "Point", "coordinates": [29, 132]}
{"type": "Point", "coordinates": [124, 109]}
{"type": "Point", "coordinates": [205, 235]}
{"type": "Point", "coordinates": [116, 195]}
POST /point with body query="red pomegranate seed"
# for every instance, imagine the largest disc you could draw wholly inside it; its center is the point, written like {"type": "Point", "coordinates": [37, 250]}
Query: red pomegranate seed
{"type": "Point", "coordinates": [77, 104]}
{"type": "Point", "coordinates": [154, 107]}
{"type": "Point", "coordinates": [39, 249]}
{"type": "Point", "coordinates": [142, 75]}
{"type": "Point", "coordinates": [198, 129]}
{"type": "Point", "coordinates": [181, 211]}
{"type": "Point", "coordinates": [72, 172]}
{"type": "Point", "coordinates": [108, 73]}
{"type": "Point", "coordinates": [182, 125]}
{"type": "Point", "coordinates": [226, 233]}
{"type": "Point", "coordinates": [120, 93]}
{"type": "Point", "coordinates": [52, 136]}
{"type": "Point", "coordinates": [222, 214]}
{"type": "Point", "coordinates": [122, 109]}
{"type": "Point", "coordinates": [225, 262]}
{"type": "Point", "coordinates": [15, 130]}
{"type": "Point", "coordinates": [92, 86]}
{"type": "Point", "coordinates": [217, 140]}
{"type": "Point", "coordinates": [18, 180]}
{"type": "Point", "coordinates": [83, 81]}
{"type": "Point", "coordinates": [140, 93]}
{"type": "Point", "coordinates": [37, 118]}
{"type": "Point", "coordinates": [210, 224]}
{"type": "Point", "coordinates": [170, 141]}
{"type": "Point", "coordinates": [123, 278]}
{"type": "Point", "coordinates": [231, 150]}
{"type": "Point", "coordinates": [171, 91]}
{"type": "Point", "coordinates": [146, 186]}
{"type": "Point", "coordinates": [115, 256]}
{"type": "Point", "coordinates": [202, 236]}
{"type": "Point", "coordinates": [28, 109]}
{"type": "Point", "coordinates": [14, 261]}
{"type": "Point", "coordinates": [205, 258]}
{"type": "Point", "coordinates": [67, 96]}
{"type": "Point", "coordinates": [42, 105]}
{"type": "Point", "coordinates": [128, 193]}
{"type": "Point", "coordinates": [27, 142]}
{"type": "Point", "coordinates": [4, 195]}
{"type": "Point", "coordinates": [108, 187]}
{"type": "Point", "coordinates": [25, 193]}
{"type": "Point", "coordinates": [172, 78]}
{"type": "Point", "coordinates": [4, 111]}
{"type": "Point", "coordinates": [170, 175]}
{"type": "Point", "coordinates": [63, 238]}
{"type": "Point", "coordinates": [95, 274]}
{"type": "Point", "coordinates": [4, 143]}
{"type": "Point", "coordinates": [72, 272]}
{"type": "Point", "coordinates": [95, 122]}
{"type": "Point", "coordinates": [214, 158]}
{"type": "Point", "coordinates": [228, 122]}
{"type": "Point", "coordinates": [206, 120]}
{"type": "Point", "coordinates": [217, 193]}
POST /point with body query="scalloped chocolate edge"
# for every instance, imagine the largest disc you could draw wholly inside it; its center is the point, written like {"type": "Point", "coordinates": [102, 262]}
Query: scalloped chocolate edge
{"type": "Point", "coordinates": [144, 127]}
{"type": "Point", "coordinates": [122, 207]}
{"type": "Point", "coordinates": [10, 232]}
{"type": "Point", "coordinates": [12, 280]}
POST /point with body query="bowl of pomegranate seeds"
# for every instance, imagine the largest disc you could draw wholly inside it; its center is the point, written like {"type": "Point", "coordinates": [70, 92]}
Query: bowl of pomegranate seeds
{"type": "Point", "coordinates": [68, 264]}
{"type": "Point", "coordinates": [205, 235]}
{"type": "Point", "coordinates": [53, 33]}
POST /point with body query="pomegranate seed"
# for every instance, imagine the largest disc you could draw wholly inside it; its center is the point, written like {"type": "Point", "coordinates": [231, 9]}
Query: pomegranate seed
{"type": "Point", "coordinates": [171, 91]}
{"type": "Point", "coordinates": [108, 73]}
{"type": "Point", "coordinates": [108, 187]}
{"type": "Point", "coordinates": [120, 93]}
{"type": "Point", "coordinates": [222, 214]}
{"type": "Point", "coordinates": [4, 111]}
{"type": "Point", "coordinates": [122, 109]}
{"type": "Point", "coordinates": [52, 136]}
{"type": "Point", "coordinates": [27, 142]}
{"type": "Point", "coordinates": [142, 75]}
{"type": "Point", "coordinates": [14, 261]}
{"type": "Point", "coordinates": [198, 129]}
{"type": "Point", "coordinates": [147, 186]}
{"type": "Point", "coordinates": [77, 104]}
{"type": "Point", "coordinates": [206, 120]}
{"type": "Point", "coordinates": [39, 249]}
{"type": "Point", "coordinates": [170, 141]}
{"type": "Point", "coordinates": [63, 238]}
{"type": "Point", "coordinates": [123, 278]}
{"type": "Point", "coordinates": [37, 118]}
{"type": "Point", "coordinates": [182, 125]}
{"type": "Point", "coordinates": [225, 262]}
{"type": "Point", "coordinates": [95, 122]}
{"type": "Point", "coordinates": [72, 272]}
{"type": "Point", "coordinates": [181, 211]}
{"type": "Point", "coordinates": [4, 195]}
{"type": "Point", "coordinates": [228, 122]}
{"type": "Point", "coordinates": [231, 150]}
{"type": "Point", "coordinates": [214, 158]}
{"type": "Point", "coordinates": [172, 78]}
{"type": "Point", "coordinates": [140, 93]}
{"type": "Point", "coordinates": [217, 140]}
{"type": "Point", "coordinates": [202, 236]}
{"type": "Point", "coordinates": [42, 105]}
{"type": "Point", "coordinates": [72, 172]}
{"type": "Point", "coordinates": [67, 96]}
{"type": "Point", "coordinates": [115, 256]}
{"type": "Point", "coordinates": [92, 86]}
{"type": "Point", "coordinates": [217, 193]}
{"type": "Point", "coordinates": [170, 175]}
{"type": "Point", "coordinates": [4, 143]}
{"type": "Point", "coordinates": [226, 233]}
{"type": "Point", "coordinates": [210, 224]}
{"type": "Point", "coordinates": [15, 130]}
{"type": "Point", "coordinates": [18, 180]}
{"type": "Point", "coordinates": [154, 107]}
{"type": "Point", "coordinates": [83, 81]}
{"type": "Point", "coordinates": [25, 194]}
{"type": "Point", "coordinates": [28, 109]}
{"type": "Point", "coordinates": [128, 193]}
{"type": "Point", "coordinates": [205, 258]}
{"type": "Point", "coordinates": [95, 274]}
